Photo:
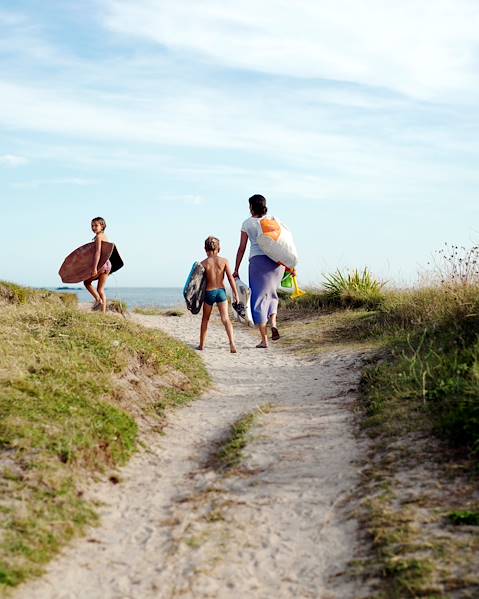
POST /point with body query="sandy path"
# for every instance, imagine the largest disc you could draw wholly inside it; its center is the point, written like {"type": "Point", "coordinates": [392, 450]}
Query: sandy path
{"type": "Point", "coordinates": [281, 527]}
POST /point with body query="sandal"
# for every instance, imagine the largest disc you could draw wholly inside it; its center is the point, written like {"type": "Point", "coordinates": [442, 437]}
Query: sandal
{"type": "Point", "coordinates": [275, 334]}
{"type": "Point", "coordinates": [262, 346]}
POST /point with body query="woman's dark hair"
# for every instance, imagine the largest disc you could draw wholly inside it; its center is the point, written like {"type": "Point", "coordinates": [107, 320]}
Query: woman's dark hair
{"type": "Point", "coordinates": [257, 205]}
{"type": "Point", "coordinates": [99, 219]}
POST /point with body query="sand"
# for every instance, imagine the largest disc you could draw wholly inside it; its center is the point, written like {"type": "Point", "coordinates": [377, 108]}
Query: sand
{"type": "Point", "coordinates": [282, 525]}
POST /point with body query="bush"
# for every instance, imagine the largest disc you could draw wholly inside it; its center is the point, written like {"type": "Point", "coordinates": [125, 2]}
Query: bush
{"type": "Point", "coordinates": [356, 289]}
{"type": "Point", "coordinates": [434, 362]}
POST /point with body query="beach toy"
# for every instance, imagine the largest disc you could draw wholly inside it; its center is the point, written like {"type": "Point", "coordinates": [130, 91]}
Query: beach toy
{"type": "Point", "coordinates": [194, 290]}
{"type": "Point", "coordinates": [244, 295]}
{"type": "Point", "coordinates": [287, 281]}
{"type": "Point", "coordinates": [77, 266]}
{"type": "Point", "coordinates": [297, 291]}
{"type": "Point", "coordinates": [276, 241]}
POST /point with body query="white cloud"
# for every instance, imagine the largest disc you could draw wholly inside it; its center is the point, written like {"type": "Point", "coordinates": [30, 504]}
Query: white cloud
{"type": "Point", "coordinates": [193, 200]}
{"type": "Point", "coordinates": [193, 121]}
{"type": "Point", "coordinates": [423, 49]}
{"type": "Point", "coordinates": [11, 160]}
{"type": "Point", "coordinates": [37, 183]}
{"type": "Point", "coordinates": [301, 138]}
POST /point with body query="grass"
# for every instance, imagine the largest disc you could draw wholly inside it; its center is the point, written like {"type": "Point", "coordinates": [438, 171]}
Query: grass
{"type": "Point", "coordinates": [432, 367]}
{"type": "Point", "coordinates": [63, 417]}
{"type": "Point", "coordinates": [354, 289]}
{"type": "Point", "coordinates": [464, 518]}
{"type": "Point", "coordinates": [229, 453]}
{"type": "Point", "coordinates": [117, 306]}
{"type": "Point", "coordinates": [398, 542]}
{"type": "Point", "coordinates": [16, 294]}
{"type": "Point", "coordinates": [420, 405]}
{"type": "Point", "coordinates": [154, 311]}
{"type": "Point", "coordinates": [431, 337]}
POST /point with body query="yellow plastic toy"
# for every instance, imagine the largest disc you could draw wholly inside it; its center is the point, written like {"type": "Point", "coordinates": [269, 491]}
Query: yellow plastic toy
{"type": "Point", "coordinates": [297, 291]}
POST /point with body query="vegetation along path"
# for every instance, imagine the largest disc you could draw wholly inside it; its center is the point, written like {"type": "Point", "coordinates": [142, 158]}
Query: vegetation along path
{"type": "Point", "coordinates": [250, 491]}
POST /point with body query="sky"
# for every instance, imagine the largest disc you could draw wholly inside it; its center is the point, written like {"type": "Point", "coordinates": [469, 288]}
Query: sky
{"type": "Point", "coordinates": [359, 122]}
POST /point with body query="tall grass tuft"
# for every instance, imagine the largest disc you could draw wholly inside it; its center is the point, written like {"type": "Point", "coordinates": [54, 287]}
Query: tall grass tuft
{"type": "Point", "coordinates": [356, 289]}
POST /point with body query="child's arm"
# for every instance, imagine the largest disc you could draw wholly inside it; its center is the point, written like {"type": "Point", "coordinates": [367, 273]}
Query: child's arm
{"type": "Point", "coordinates": [231, 281]}
{"type": "Point", "coordinates": [97, 255]}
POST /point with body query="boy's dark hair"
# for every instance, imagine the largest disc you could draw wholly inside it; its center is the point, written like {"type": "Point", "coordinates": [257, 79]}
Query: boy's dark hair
{"type": "Point", "coordinates": [257, 204]}
{"type": "Point", "coordinates": [99, 219]}
{"type": "Point", "coordinates": [212, 244]}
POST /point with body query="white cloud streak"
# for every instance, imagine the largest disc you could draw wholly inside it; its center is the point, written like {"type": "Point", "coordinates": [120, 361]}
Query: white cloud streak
{"type": "Point", "coordinates": [37, 183]}
{"type": "Point", "coordinates": [422, 49]}
{"type": "Point", "coordinates": [299, 137]}
{"type": "Point", "coordinates": [12, 160]}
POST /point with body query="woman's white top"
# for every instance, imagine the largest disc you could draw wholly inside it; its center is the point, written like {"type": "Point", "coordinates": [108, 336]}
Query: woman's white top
{"type": "Point", "coordinates": [251, 228]}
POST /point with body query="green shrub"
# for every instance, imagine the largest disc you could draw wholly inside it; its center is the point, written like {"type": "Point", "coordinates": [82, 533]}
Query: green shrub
{"type": "Point", "coordinates": [356, 289]}
{"type": "Point", "coordinates": [434, 362]}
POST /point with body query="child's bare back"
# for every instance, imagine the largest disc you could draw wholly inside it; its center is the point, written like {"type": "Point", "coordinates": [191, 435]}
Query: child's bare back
{"type": "Point", "coordinates": [215, 268]}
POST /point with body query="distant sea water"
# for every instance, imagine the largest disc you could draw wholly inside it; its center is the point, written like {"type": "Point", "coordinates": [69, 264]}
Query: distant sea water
{"type": "Point", "coordinates": [135, 297]}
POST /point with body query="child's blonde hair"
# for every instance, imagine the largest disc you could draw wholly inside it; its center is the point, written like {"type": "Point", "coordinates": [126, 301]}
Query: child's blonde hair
{"type": "Point", "coordinates": [212, 244]}
{"type": "Point", "coordinates": [99, 219]}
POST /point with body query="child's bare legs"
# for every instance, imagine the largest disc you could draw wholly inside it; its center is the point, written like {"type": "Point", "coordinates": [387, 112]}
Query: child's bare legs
{"type": "Point", "coordinates": [204, 324]}
{"type": "Point", "coordinates": [225, 319]}
{"type": "Point", "coordinates": [101, 290]}
{"type": "Point", "coordinates": [92, 290]}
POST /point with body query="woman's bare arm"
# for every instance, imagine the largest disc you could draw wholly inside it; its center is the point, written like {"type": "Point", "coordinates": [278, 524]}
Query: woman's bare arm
{"type": "Point", "coordinates": [240, 253]}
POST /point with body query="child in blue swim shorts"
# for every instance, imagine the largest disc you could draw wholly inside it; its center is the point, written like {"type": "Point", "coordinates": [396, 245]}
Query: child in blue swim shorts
{"type": "Point", "coordinates": [216, 268]}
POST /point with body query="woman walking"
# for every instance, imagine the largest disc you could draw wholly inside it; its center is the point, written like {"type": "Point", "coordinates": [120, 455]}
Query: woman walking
{"type": "Point", "coordinates": [264, 274]}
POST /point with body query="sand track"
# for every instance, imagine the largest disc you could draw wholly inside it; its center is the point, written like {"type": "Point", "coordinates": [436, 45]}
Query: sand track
{"type": "Point", "coordinates": [281, 526]}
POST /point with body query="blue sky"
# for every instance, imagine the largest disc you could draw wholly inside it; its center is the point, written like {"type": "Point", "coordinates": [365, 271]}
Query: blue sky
{"type": "Point", "coordinates": [357, 120]}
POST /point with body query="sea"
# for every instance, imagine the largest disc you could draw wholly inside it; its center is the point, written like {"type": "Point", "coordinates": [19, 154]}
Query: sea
{"type": "Point", "coordinates": [134, 297]}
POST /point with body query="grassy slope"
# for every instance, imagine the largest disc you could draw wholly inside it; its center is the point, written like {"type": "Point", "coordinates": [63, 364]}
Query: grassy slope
{"type": "Point", "coordinates": [422, 383]}
{"type": "Point", "coordinates": [61, 418]}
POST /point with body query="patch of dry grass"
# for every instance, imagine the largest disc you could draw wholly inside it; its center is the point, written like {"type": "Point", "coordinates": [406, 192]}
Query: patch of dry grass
{"type": "Point", "coordinates": [421, 383]}
{"type": "Point", "coordinates": [65, 415]}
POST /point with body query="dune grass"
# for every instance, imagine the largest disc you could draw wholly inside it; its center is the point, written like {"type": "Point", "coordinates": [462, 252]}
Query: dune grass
{"type": "Point", "coordinates": [155, 311]}
{"type": "Point", "coordinates": [421, 381]}
{"type": "Point", "coordinates": [431, 336]}
{"type": "Point", "coordinates": [432, 366]}
{"type": "Point", "coordinates": [61, 418]}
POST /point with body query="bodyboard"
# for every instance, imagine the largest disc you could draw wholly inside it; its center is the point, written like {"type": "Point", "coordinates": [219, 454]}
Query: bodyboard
{"type": "Point", "coordinates": [194, 290]}
{"type": "Point", "coordinates": [244, 296]}
{"type": "Point", "coordinates": [77, 266]}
